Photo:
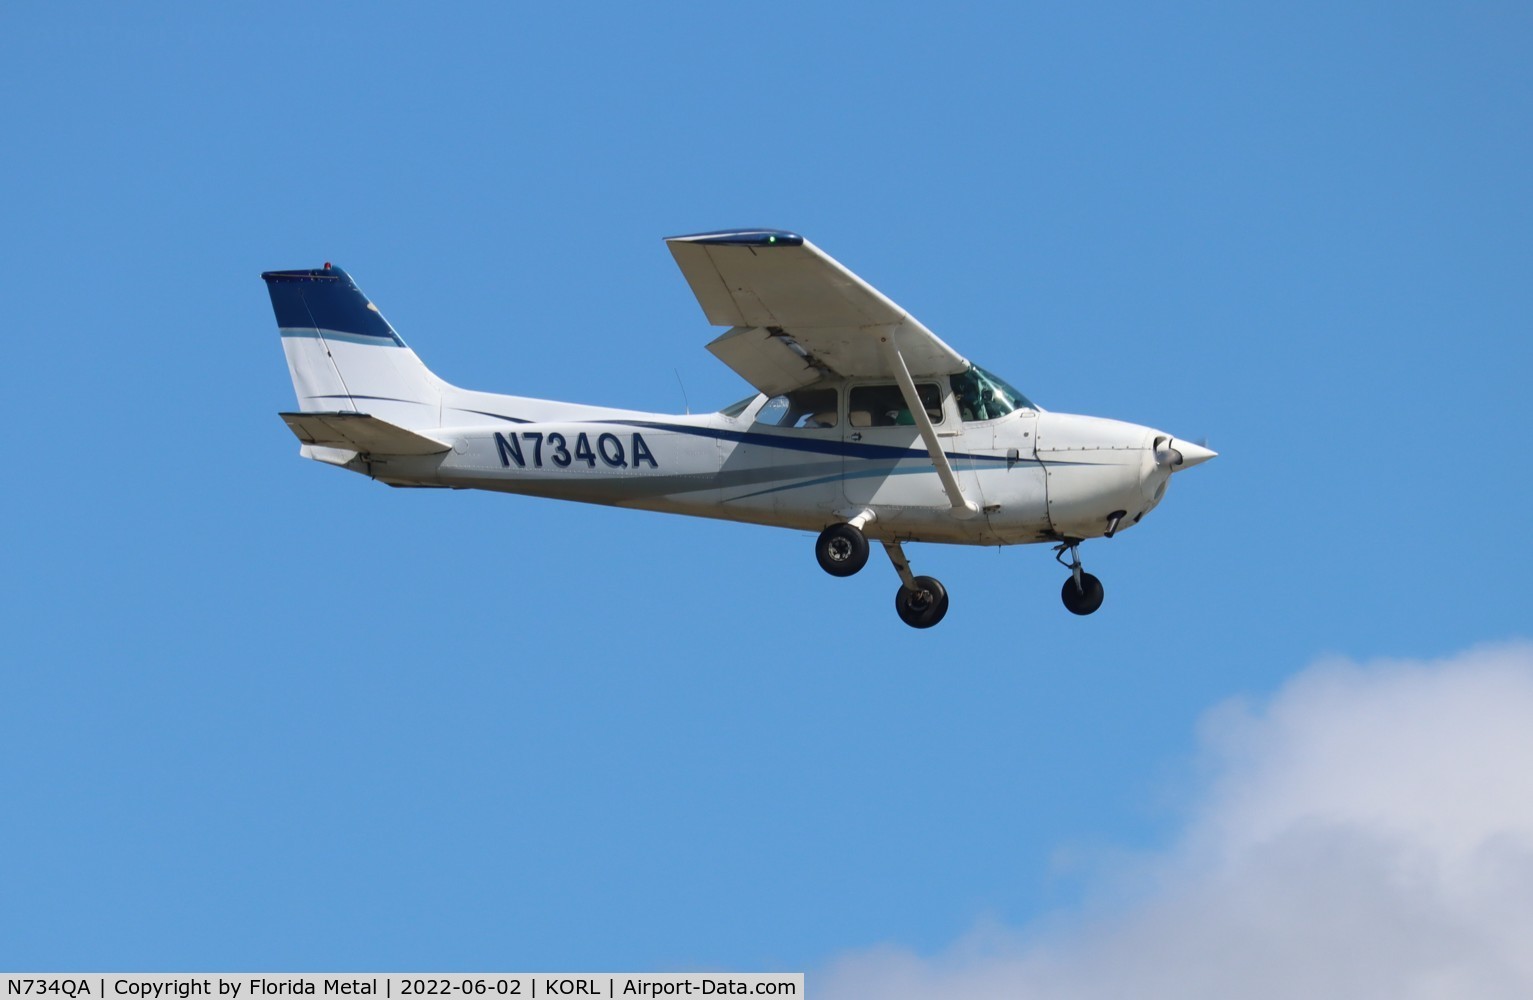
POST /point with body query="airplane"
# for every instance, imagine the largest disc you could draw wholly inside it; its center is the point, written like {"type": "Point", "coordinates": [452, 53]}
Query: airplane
{"type": "Point", "coordinates": [864, 424]}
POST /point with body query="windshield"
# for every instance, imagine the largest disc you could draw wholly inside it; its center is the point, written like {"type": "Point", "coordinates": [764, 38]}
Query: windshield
{"type": "Point", "coordinates": [983, 396]}
{"type": "Point", "coordinates": [735, 409]}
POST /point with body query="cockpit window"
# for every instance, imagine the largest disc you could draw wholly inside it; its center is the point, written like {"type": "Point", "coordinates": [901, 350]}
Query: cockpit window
{"type": "Point", "coordinates": [983, 396]}
{"type": "Point", "coordinates": [735, 409]}
{"type": "Point", "coordinates": [801, 408]}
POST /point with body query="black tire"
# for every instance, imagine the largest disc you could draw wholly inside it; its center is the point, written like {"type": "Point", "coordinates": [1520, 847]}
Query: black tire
{"type": "Point", "coordinates": [924, 606]}
{"type": "Point", "coordinates": [1085, 599]}
{"type": "Point", "coordinates": [841, 549]}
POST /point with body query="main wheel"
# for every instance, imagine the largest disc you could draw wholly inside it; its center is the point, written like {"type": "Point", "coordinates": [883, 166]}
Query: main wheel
{"type": "Point", "coordinates": [1084, 599]}
{"type": "Point", "coordinates": [924, 606]}
{"type": "Point", "coordinates": [841, 549]}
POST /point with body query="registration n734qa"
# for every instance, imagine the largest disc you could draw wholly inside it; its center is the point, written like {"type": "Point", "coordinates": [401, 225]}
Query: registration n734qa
{"type": "Point", "coordinates": [864, 424]}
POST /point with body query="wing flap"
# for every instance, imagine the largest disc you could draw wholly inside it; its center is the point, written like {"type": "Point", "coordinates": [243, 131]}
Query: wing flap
{"type": "Point", "coordinates": [360, 433]}
{"type": "Point", "coordinates": [773, 363]}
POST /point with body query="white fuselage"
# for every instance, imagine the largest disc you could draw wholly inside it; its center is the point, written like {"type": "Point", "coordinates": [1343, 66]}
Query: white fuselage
{"type": "Point", "coordinates": [1036, 476]}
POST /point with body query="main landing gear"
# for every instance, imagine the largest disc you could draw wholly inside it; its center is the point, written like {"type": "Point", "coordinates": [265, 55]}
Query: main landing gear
{"type": "Point", "coordinates": [1082, 592]}
{"type": "Point", "coordinates": [842, 549]}
{"type": "Point", "coordinates": [921, 601]}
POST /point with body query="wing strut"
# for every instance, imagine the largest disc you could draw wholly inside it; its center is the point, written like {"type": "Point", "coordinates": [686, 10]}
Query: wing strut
{"type": "Point", "coordinates": [963, 507]}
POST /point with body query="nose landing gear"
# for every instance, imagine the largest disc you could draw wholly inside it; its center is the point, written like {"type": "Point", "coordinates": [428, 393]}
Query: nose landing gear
{"type": "Point", "coordinates": [1082, 592]}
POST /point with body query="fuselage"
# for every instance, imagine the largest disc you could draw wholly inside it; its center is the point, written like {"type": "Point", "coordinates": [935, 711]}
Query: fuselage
{"type": "Point", "coordinates": [1036, 476]}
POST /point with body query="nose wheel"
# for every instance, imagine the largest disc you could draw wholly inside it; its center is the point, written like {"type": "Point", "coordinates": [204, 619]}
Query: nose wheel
{"type": "Point", "coordinates": [1082, 593]}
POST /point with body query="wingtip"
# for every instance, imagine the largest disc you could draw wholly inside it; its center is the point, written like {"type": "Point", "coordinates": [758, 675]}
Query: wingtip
{"type": "Point", "coordinates": [742, 238]}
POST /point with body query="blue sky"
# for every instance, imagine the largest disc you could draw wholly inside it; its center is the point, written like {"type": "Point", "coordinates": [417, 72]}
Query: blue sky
{"type": "Point", "coordinates": [261, 714]}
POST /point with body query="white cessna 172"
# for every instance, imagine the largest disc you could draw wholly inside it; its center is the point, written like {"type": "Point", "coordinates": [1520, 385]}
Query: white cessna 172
{"type": "Point", "coordinates": [864, 424]}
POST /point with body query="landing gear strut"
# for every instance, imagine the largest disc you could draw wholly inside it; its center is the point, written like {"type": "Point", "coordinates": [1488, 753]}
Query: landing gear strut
{"type": "Point", "coordinates": [1082, 592]}
{"type": "Point", "coordinates": [921, 601]}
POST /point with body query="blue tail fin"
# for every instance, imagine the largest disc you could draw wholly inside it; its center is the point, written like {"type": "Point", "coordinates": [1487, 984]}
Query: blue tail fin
{"type": "Point", "coordinates": [327, 301]}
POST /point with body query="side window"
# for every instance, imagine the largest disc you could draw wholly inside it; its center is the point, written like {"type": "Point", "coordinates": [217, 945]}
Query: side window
{"type": "Point", "coordinates": [884, 405]}
{"type": "Point", "coordinates": [801, 408]}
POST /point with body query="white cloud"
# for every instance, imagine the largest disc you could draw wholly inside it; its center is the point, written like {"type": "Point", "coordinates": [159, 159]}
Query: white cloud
{"type": "Point", "coordinates": [1368, 832]}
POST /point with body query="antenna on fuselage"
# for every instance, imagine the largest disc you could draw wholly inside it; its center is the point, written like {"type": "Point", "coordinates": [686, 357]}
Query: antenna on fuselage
{"type": "Point", "coordinates": [684, 401]}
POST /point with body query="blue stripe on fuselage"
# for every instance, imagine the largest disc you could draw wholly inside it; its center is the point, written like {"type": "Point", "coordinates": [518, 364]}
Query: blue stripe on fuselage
{"type": "Point", "coordinates": [846, 449]}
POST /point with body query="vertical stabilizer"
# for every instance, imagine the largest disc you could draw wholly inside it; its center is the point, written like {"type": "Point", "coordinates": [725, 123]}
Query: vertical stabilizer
{"type": "Point", "coordinates": [344, 356]}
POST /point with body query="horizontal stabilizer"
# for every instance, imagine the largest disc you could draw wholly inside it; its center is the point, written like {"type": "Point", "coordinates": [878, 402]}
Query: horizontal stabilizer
{"type": "Point", "coordinates": [361, 433]}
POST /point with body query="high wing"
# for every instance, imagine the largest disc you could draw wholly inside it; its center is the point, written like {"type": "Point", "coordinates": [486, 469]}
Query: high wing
{"type": "Point", "coordinates": [797, 315]}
